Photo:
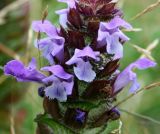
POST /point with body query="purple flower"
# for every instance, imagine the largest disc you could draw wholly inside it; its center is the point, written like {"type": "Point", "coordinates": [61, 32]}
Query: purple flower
{"type": "Point", "coordinates": [80, 116]}
{"type": "Point", "coordinates": [63, 12]}
{"type": "Point", "coordinates": [22, 73]}
{"type": "Point", "coordinates": [83, 69]}
{"type": "Point", "coordinates": [109, 35]}
{"type": "Point", "coordinates": [127, 76]}
{"type": "Point", "coordinates": [52, 46]}
{"type": "Point", "coordinates": [63, 17]}
{"type": "Point", "coordinates": [44, 27]}
{"type": "Point", "coordinates": [62, 83]}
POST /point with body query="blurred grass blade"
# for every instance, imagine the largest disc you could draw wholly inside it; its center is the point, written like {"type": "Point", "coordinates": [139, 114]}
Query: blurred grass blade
{"type": "Point", "coordinates": [9, 8]}
{"type": "Point", "coordinates": [132, 30]}
{"type": "Point", "coordinates": [28, 46]}
{"type": "Point", "coordinates": [143, 117]}
{"type": "Point", "coordinates": [45, 14]}
{"type": "Point", "coordinates": [148, 51]}
{"type": "Point", "coordinates": [146, 10]}
{"type": "Point", "coordinates": [150, 86]}
{"type": "Point", "coordinates": [2, 78]}
{"type": "Point", "coordinates": [1, 68]}
{"type": "Point", "coordinates": [9, 52]}
{"type": "Point", "coordinates": [153, 45]}
{"type": "Point", "coordinates": [156, 84]}
{"type": "Point", "coordinates": [12, 128]}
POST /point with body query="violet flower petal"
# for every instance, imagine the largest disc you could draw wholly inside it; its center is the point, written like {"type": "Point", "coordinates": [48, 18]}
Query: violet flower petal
{"type": "Point", "coordinates": [52, 78]}
{"type": "Point", "coordinates": [115, 47]}
{"type": "Point", "coordinates": [86, 52]}
{"type": "Point", "coordinates": [110, 37]}
{"type": "Point", "coordinates": [68, 84]}
{"type": "Point", "coordinates": [58, 71]}
{"type": "Point", "coordinates": [14, 68]}
{"type": "Point", "coordinates": [80, 116]}
{"type": "Point", "coordinates": [63, 17]}
{"type": "Point", "coordinates": [46, 46]}
{"type": "Point", "coordinates": [63, 12]}
{"type": "Point", "coordinates": [21, 73]}
{"type": "Point", "coordinates": [127, 76]}
{"type": "Point", "coordinates": [56, 91]}
{"type": "Point", "coordinates": [122, 36]}
{"type": "Point", "coordinates": [84, 71]}
{"type": "Point", "coordinates": [52, 48]}
{"type": "Point", "coordinates": [45, 27]}
{"type": "Point", "coordinates": [74, 58]}
{"type": "Point", "coordinates": [103, 38]}
{"type": "Point", "coordinates": [117, 22]}
{"type": "Point", "coordinates": [32, 65]}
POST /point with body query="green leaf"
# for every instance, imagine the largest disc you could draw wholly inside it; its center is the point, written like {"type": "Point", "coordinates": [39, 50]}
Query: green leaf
{"type": "Point", "coordinates": [57, 127]}
{"type": "Point", "coordinates": [92, 131]}
{"type": "Point", "coordinates": [113, 127]}
{"type": "Point", "coordinates": [84, 105]}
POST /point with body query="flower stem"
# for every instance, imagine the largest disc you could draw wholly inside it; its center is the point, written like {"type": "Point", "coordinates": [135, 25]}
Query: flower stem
{"type": "Point", "coordinates": [147, 9]}
{"type": "Point", "coordinates": [153, 85]}
{"type": "Point", "coordinates": [143, 117]}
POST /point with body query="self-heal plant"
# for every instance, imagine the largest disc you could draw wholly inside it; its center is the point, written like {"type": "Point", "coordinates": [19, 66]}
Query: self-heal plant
{"type": "Point", "coordinates": [83, 58]}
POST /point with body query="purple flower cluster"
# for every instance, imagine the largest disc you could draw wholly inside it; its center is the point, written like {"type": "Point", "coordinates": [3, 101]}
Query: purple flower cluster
{"type": "Point", "coordinates": [79, 61]}
{"type": "Point", "coordinates": [86, 49]}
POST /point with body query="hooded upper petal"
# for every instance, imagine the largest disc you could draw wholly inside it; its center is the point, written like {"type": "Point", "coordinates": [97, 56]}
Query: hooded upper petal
{"type": "Point", "coordinates": [22, 73]}
{"type": "Point", "coordinates": [58, 71]}
{"type": "Point", "coordinates": [45, 27]}
{"type": "Point", "coordinates": [86, 52]}
{"type": "Point", "coordinates": [127, 76]}
{"type": "Point", "coordinates": [117, 22]}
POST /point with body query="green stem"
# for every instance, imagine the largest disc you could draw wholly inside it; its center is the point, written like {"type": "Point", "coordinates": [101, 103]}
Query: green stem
{"type": "Point", "coordinates": [143, 117]}
{"type": "Point", "coordinates": [102, 130]}
{"type": "Point", "coordinates": [128, 97]}
{"type": "Point", "coordinates": [157, 84]}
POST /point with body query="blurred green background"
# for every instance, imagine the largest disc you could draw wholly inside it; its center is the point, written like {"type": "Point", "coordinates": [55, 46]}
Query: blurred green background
{"type": "Point", "coordinates": [19, 103]}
